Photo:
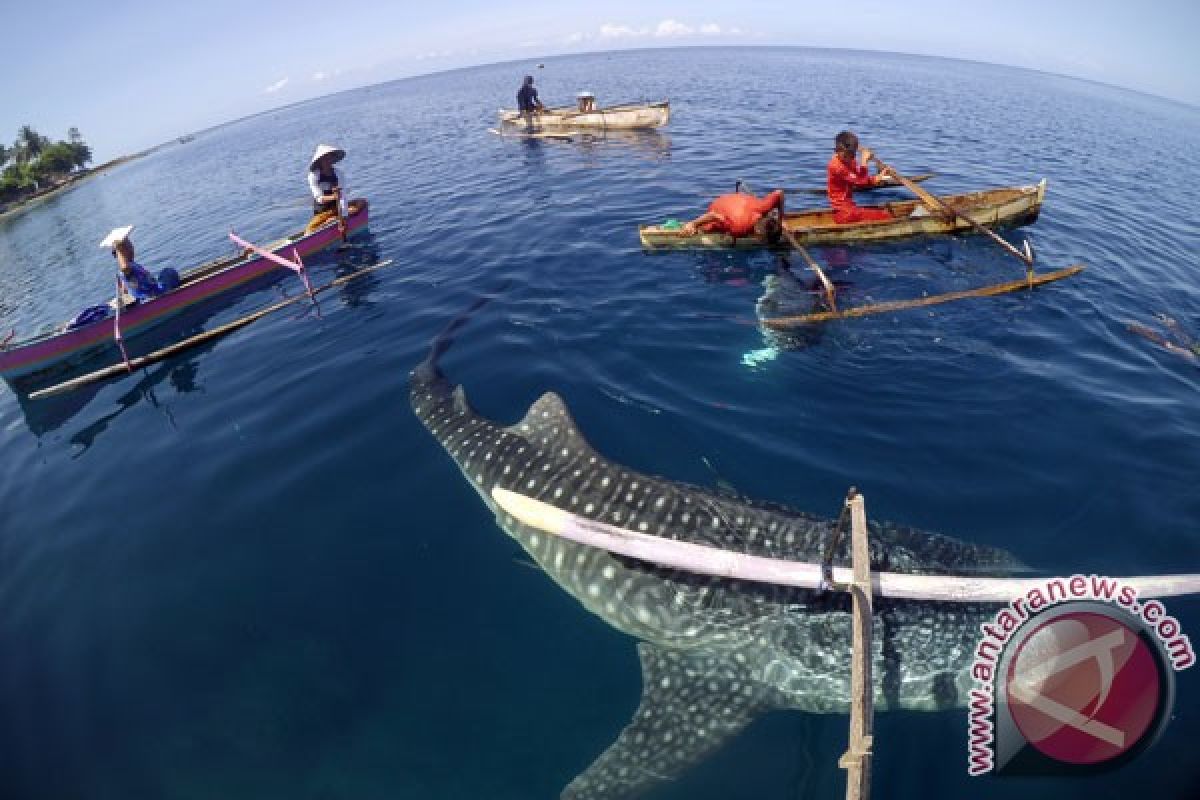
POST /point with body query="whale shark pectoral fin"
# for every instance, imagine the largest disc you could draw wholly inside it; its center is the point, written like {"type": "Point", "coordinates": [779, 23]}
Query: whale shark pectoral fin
{"type": "Point", "coordinates": [692, 703]}
{"type": "Point", "coordinates": [548, 424]}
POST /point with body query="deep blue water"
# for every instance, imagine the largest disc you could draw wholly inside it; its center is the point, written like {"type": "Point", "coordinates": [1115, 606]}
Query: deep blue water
{"type": "Point", "coordinates": [249, 572]}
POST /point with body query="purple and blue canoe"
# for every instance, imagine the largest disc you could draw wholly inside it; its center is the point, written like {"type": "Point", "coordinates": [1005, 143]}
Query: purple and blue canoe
{"type": "Point", "coordinates": [48, 351]}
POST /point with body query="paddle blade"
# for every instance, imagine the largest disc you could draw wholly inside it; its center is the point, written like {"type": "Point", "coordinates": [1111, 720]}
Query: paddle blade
{"type": "Point", "coordinates": [1029, 254]}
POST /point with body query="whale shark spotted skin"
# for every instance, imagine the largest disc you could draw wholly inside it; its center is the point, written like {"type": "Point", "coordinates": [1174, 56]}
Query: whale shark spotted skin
{"type": "Point", "coordinates": [715, 653]}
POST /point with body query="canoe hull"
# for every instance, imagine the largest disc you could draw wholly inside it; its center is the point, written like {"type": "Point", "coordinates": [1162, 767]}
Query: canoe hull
{"type": "Point", "coordinates": [1008, 206]}
{"type": "Point", "coordinates": [632, 117]}
{"type": "Point", "coordinates": [46, 354]}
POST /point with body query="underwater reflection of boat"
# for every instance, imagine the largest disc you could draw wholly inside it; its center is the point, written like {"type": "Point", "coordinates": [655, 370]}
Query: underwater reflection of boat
{"type": "Point", "coordinates": [47, 415]}
{"type": "Point", "coordinates": [645, 142]}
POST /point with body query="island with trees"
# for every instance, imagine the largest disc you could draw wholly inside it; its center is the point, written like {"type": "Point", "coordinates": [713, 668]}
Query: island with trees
{"type": "Point", "coordinates": [35, 166]}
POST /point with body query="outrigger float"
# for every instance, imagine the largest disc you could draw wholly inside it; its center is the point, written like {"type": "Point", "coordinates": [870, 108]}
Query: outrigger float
{"type": "Point", "coordinates": [39, 357]}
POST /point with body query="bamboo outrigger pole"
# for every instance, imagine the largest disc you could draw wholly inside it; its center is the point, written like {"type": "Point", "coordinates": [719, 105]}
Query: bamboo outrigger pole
{"type": "Point", "coordinates": [784, 323]}
{"type": "Point", "coordinates": [857, 758]}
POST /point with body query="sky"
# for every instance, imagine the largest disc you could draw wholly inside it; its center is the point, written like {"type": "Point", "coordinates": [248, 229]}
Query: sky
{"type": "Point", "coordinates": [134, 73]}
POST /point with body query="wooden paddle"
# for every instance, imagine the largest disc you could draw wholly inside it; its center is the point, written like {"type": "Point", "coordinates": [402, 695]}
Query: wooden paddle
{"type": "Point", "coordinates": [341, 218]}
{"type": "Point", "coordinates": [934, 204]}
{"type": "Point", "coordinates": [830, 292]}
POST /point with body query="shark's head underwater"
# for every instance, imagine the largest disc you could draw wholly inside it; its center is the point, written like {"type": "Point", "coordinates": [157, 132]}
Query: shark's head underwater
{"type": "Point", "coordinates": [715, 653]}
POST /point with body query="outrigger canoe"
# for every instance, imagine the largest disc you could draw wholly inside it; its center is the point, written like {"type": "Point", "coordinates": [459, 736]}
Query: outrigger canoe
{"type": "Point", "coordinates": [624, 117]}
{"type": "Point", "coordinates": [63, 347]}
{"type": "Point", "coordinates": [1017, 205]}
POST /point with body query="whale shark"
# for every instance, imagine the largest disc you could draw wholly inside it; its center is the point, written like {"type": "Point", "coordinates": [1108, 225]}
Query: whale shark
{"type": "Point", "coordinates": [715, 653]}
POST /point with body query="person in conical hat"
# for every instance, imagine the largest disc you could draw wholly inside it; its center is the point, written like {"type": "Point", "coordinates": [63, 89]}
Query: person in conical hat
{"type": "Point", "coordinates": [141, 284]}
{"type": "Point", "coordinates": [327, 185]}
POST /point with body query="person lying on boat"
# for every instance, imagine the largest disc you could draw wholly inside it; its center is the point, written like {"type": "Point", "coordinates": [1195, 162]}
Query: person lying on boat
{"type": "Point", "coordinates": [741, 214]}
{"type": "Point", "coordinates": [844, 174]}
{"type": "Point", "coordinates": [327, 187]}
{"type": "Point", "coordinates": [528, 103]}
{"type": "Point", "coordinates": [136, 279]}
{"type": "Point", "coordinates": [586, 101]}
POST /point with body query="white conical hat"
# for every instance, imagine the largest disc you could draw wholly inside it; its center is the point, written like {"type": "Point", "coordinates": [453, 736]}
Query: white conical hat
{"type": "Point", "coordinates": [324, 150]}
{"type": "Point", "coordinates": [117, 235]}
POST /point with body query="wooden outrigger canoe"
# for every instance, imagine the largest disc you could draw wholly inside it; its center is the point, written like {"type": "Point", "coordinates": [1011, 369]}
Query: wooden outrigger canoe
{"type": "Point", "coordinates": [624, 117]}
{"type": "Point", "coordinates": [42, 355]}
{"type": "Point", "coordinates": [1017, 205]}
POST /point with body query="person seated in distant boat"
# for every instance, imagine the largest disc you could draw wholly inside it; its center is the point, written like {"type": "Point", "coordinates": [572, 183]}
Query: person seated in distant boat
{"type": "Point", "coordinates": [741, 215]}
{"type": "Point", "coordinates": [844, 174]}
{"type": "Point", "coordinates": [327, 187]}
{"type": "Point", "coordinates": [137, 279]}
{"type": "Point", "coordinates": [586, 101]}
{"type": "Point", "coordinates": [528, 103]}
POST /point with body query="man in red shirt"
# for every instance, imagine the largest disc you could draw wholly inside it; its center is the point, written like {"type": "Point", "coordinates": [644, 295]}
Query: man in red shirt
{"type": "Point", "coordinates": [741, 215]}
{"type": "Point", "coordinates": [845, 174]}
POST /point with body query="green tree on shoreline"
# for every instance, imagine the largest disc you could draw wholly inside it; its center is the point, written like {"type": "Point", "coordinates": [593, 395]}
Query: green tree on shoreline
{"type": "Point", "coordinates": [39, 163]}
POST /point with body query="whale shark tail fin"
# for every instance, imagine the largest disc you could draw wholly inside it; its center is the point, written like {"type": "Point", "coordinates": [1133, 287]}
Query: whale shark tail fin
{"type": "Point", "coordinates": [691, 705]}
{"type": "Point", "coordinates": [428, 370]}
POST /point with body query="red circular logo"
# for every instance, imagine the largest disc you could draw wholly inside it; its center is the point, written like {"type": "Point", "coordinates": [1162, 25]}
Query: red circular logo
{"type": "Point", "coordinates": [1084, 688]}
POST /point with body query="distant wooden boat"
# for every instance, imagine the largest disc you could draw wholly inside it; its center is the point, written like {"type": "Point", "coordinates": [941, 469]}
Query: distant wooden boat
{"type": "Point", "coordinates": [624, 117]}
{"type": "Point", "coordinates": [1018, 205]}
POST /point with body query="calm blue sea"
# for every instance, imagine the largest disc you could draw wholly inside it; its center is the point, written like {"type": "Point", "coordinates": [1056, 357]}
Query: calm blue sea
{"type": "Point", "coordinates": [248, 572]}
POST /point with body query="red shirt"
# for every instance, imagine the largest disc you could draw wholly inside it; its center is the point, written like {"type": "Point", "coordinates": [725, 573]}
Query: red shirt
{"type": "Point", "coordinates": [841, 182]}
{"type": "Point", "coordinates": [740, 212]}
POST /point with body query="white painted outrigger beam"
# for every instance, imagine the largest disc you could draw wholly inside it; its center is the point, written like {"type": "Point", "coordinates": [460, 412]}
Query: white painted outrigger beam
{"type": "Point", "coordinates": [706, 560]}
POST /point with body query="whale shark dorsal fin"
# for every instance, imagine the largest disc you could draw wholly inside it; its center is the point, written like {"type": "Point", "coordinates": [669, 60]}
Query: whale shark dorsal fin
{"type": "Point", "coordinates": [691, 705]}
{"type": "Point", "coordinates": [548, 424]}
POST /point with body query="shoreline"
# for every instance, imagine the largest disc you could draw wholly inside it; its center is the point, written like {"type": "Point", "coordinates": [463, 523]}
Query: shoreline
{"type": "Point", "coordinates": [67, 185]}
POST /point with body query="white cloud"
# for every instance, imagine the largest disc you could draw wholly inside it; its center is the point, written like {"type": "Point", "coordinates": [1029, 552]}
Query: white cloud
{"type": "Point", "coordinates": [666, 29]}
{"type": "Point", "coordinates": [576, 38]}
{"type": "Point", "coordinates": [320, 76]}
{"type": "Point", "coordinates": [670, 27]}
{"type": "Point", "coordinates": [610, 31]}
{"type": "Point", "coordinates": [276, 86]}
